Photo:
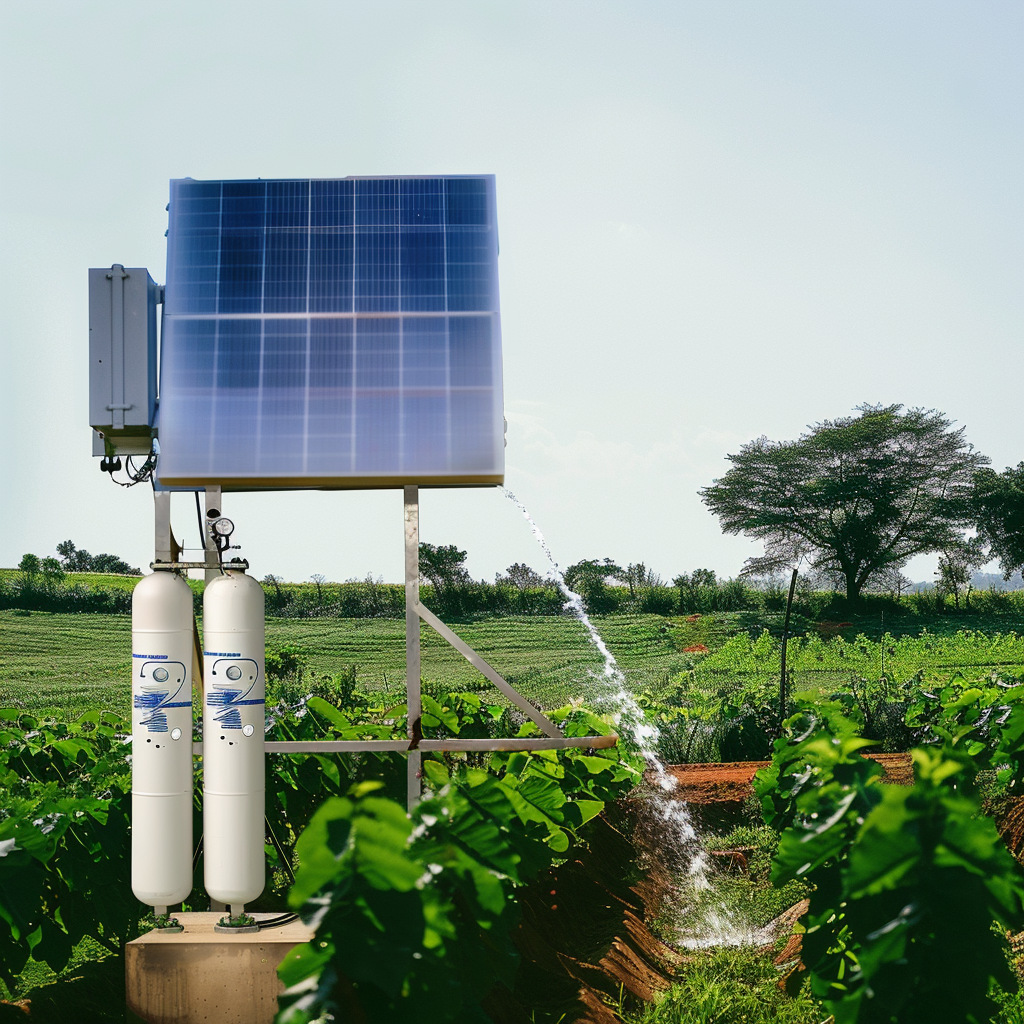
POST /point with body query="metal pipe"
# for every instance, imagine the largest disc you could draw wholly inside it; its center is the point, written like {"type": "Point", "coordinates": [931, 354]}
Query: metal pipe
{"type": "Point", "coordinates": [480, 665]}
{"type": "Point", "coordinates": [402, 746]}
{"type": "Point", "coordinates": [412, 639]}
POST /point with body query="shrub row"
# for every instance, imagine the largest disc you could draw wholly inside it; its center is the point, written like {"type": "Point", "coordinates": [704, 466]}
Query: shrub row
{"type": "Point", "coordinates": [37, 596]}
{"type": "Point", "coordinates": [370, 599]}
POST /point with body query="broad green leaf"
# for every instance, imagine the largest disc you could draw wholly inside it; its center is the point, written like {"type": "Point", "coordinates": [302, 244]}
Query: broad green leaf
{"type": "Point", "coordinates": [441, 715]}
{"type": "Point", "coordinates": [318, 862]}
{"type": "Point", "coordinates": [435, 772]}
{"type": "Point", "coordinates": [328, 711]}
{"type": "Point", "coordinates": [304, 961]}
{"type": "Point", "coordinates": [381, 830]}
{"type": "Point", "coordinates": [558, 840]}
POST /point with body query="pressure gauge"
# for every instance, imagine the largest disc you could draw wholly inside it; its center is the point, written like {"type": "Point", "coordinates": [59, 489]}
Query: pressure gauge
{"type": "Point", "coordinates": [223, 527]}
{"type": "Point", "coordinates": [160, 675]}
{"type": "Point", "coordinates": [233, 672]}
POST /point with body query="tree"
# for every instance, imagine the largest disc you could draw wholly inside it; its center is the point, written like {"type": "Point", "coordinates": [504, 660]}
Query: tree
{"type": "Point", "coordinates": [697, 579]}
{"type": "Point", "coordinates": [29, 564]}
{"type": "Point", "coordinates": [443, 566]}
{"type": "Point", "coordinates": [112, 564]}
{"type": "Point", "coordinates": [890, 580]}
{"type": "Point", "coordinates": [956, 567]}
{"type": "Point", "coordinates": [75, 559]}
{"type": "Point", "coordinates": [998, 502]}
{"type": "Point", "coordinates": [72, 558]}
{"type": "Point", "coordinates": [520, 575]}
{"type": "Point", "coordinates": [638, 577]}
{"type": "Point", "coordinates": [53, 574]}
{"type": "Point", "coordinates": [589, 579]}
{"type": "Point", "coordinates": [854, 495]}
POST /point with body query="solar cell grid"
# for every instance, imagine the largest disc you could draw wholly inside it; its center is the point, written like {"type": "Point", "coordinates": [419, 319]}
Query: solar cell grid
{"type": "Point", "coordinates": [332, 333]}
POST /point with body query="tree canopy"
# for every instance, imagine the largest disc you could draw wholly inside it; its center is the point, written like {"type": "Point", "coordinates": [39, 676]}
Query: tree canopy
{"type": "Point", "coordinates": [854, 496]}
{"type": "Point", "coordinates": [443, 566]}
{"type": "Point", "coordinates": [521, 575]}
{"type": "Point", "coordinates": [589, 578]}
{"type": "Point", "coordinates": [75, 559]}
{"type": "Point", "coordinates": [999, 513]}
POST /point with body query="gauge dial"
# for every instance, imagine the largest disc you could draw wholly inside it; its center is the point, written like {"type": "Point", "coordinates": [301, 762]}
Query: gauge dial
{"type": "Point", "coordinates": [223, 527]}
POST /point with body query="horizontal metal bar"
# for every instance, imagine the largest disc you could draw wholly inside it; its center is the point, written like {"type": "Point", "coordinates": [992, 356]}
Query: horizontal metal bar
{"type": "Point", "coordinates": [334, 746]}
{"type": "Point", "coordinates": [402, 746]}
{"type": "Point", "coordinates": [240, 564]}
{"type": "Point", "coordinates": [324, 746]}
{"type": "Point", "coordinates": [545, 723]}
{"type": "Point", "coordinates": [376, 315]}
{"type": "Point", "coordinates": [514, 743]}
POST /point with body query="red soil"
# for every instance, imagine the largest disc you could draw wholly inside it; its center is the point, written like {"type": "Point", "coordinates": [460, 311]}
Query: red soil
{"type": "Point", "coordinates": [731, 781]}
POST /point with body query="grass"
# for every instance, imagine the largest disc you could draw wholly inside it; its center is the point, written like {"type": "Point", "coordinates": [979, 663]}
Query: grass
{"type": "Point", "coordinates": [104, 580]}
{"type": "Point", "coordinates": [729, 986]}
{"type": "Point", "coordinates": [74, 663]}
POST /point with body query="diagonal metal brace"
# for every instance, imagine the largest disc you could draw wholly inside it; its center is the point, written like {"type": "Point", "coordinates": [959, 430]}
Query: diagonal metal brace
{"type": "Point", "coordinates": [480, 665]}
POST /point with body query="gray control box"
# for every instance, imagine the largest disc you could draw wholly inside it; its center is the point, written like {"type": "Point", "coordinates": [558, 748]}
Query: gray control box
{"type": "Point", "coordinates": [122, 357]}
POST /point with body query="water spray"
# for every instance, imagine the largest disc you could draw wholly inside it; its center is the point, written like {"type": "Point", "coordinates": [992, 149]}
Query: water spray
{"type": "Point", "coordinates": [717, 928]}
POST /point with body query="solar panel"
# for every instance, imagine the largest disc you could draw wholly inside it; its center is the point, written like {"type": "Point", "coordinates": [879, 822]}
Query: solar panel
{"type": "Point", "coordinates": [331, 333]}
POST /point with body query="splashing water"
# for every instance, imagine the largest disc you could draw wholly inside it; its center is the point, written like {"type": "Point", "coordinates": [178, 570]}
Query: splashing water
{"type": "Point", "coordinates": [717, 926]}
{"type": "Point", "coordinates": [629, 714]}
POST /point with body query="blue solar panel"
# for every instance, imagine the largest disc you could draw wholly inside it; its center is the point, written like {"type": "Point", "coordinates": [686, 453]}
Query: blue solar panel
{"type": "Point", "coordinates": [331, 333]}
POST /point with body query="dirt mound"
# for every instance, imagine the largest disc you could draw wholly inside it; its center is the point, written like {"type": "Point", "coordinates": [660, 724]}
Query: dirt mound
{"type": "Point", "coordinates": [731, 781]}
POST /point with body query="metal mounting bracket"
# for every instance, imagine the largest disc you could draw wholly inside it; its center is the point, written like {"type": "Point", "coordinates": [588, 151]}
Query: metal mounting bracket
{"type": "Point", "coordinates": [415, 612]}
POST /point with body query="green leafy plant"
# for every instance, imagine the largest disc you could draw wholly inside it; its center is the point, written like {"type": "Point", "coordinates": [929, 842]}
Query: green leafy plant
{"type": "Point", "coordinates": [984, 719]}
{"type": "Point", "coordinates": [414, 919]}
{"type": "Point", "coordinates": [907, 880]}
{"type": "Point", "coordinates": [63, 839]}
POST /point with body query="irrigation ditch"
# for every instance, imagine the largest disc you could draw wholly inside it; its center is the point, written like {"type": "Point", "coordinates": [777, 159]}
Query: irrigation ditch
{"type": "Point", "coordinates": [593, 936]}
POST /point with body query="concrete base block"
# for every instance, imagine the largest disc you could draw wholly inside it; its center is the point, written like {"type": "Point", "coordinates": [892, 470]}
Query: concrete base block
{"type": "Point", "coordinates": [199, 976]}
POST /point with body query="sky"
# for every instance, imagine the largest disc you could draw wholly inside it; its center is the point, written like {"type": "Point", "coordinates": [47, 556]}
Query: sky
{"type": "Point", "coordinates": [717, 221]}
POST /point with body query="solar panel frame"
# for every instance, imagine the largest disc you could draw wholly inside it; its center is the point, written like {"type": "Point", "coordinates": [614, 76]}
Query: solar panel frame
{"type": "Point", "coordinates": [332, 333]}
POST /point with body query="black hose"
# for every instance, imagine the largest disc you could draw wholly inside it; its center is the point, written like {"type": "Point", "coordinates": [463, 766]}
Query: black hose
{"type": "Point", "coordinates": [277, 922]}
{"type": "Point", "coordinates": [199, 516]}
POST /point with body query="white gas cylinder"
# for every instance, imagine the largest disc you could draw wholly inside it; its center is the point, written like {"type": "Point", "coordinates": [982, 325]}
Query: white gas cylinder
{"type": "Point", "coordinates": [161, 739]}
{"type": "Point", "coordinates": [233, 720]}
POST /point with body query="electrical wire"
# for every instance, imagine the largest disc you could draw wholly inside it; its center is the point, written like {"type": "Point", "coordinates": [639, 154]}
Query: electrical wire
{"type": "Point", "coordinates": [277, 922]}
{"type": "Point", "coordinates": [281, 852]}
{"type": "Point", "coordinates": [199, 517]}
{"type": "Point", "coordinates": [135, 476]}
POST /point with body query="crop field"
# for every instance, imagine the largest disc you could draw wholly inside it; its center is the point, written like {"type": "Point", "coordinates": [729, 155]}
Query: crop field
{"type": "Point", "coordinates": [75, 663]}
{"type": "Point", "coordinates": [684, 669]}
{"type": "Point", "coordinates": [104, 580]}
{"type": "Point", "coordinates": [821, 662]}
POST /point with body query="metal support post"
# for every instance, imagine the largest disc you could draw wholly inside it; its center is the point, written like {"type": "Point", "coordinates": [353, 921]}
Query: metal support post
{"type": "Point", "coordinates": [212, 501]}
{"type": "Point", "coordinates": [412, 639]}
{"type": "Point", "coordinates": [162, 522]}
